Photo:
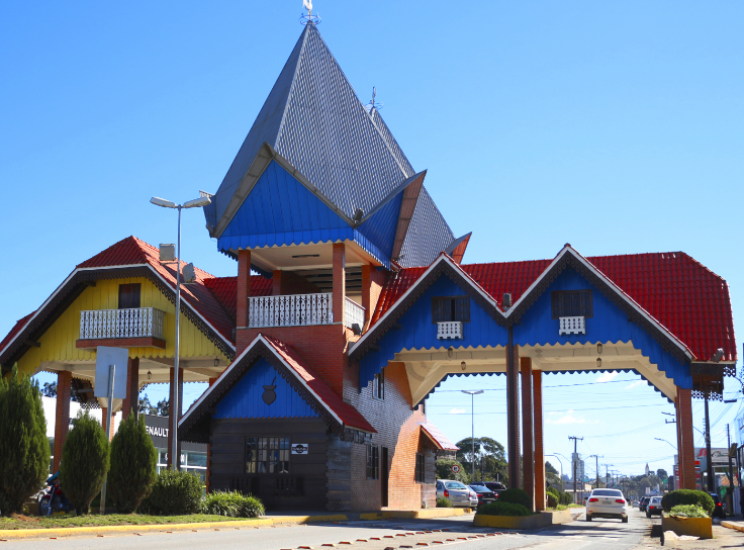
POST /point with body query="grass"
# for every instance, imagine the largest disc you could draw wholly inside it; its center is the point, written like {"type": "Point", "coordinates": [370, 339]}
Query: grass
{"type": "Point", "coordinates": [558, 508]}
{"type": "Point", "coordinates": [96, 520]}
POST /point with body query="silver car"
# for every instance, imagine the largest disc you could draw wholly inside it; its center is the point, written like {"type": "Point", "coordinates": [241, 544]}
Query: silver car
{"type": "Point", "coordinates": [457, 493]}
{"type": "Point", "coordinates": [607, 503]}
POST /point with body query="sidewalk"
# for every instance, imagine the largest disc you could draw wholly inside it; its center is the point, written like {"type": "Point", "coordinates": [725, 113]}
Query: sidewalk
{"type": "Point", "coordinates": [723, 538]}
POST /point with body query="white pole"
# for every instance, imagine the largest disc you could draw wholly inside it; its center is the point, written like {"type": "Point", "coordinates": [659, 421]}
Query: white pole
{"type": "Point", "coordinates": [175, 455]}
{"type": "Point", "coordinates": [109, 416]}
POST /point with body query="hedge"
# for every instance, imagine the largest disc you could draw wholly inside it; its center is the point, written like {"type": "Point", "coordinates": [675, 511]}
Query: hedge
{"type": "Point", "coordinates": [688, 496]}
{"type": "Point", "coordinates": [504, 509]}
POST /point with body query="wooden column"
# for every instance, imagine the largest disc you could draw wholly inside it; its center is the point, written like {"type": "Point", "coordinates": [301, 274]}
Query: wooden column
{"type": "Point", "coordinates": [686, 449]}
{"type": "Point", "coordinates": [62, 418]}
{"type": "Point", "coordinates": [174, 416]}
{"type": "Point", "coordinates": [276, 283]}
{"type": "Point", "coordinates": [131, 401]}
{"type": "Point", "coordinates": [366, 290]}
{"type": "Point", "coordinates": [244, 288]}
{"type": "Point", "coordinates": [680, 482]}
{"type": "Point", "coordinates": [539, 446]}
{"type": "Point", "coordinates": [339, 282]}
{"type": "Point", "coordinates": [528, 442]}
{"type": "Point", "coordinates": [512, 412]}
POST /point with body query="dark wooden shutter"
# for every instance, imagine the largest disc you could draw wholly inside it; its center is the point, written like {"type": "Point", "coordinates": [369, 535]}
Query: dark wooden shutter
{"type": "Point", "coordinates": [129, 295]}
{"type": "Point", "coordinates": [462, 309]}
{"type": "Point", "coordinates": [572, 303]}
{"type": "Point", "coordinates": [437, 310]}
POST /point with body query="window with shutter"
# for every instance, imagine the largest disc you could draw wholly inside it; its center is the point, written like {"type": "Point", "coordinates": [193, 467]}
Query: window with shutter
{"type": "Point", "coordinates": [129, 295]}
{"type": "Point", "coordinates": [572, 303]}
{"type": "Point", "coordinates": [450, 308]}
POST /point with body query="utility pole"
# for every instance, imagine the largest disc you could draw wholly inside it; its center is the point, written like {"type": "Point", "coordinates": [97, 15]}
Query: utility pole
{"type": "Point", "coordinates": [575, 460]}
{"type": "Point", "coordinates": [708, 457]}
{"type": "Point", "coordinates": [596, 458]}
{"type": "Point", "coordinates": [730, 491]}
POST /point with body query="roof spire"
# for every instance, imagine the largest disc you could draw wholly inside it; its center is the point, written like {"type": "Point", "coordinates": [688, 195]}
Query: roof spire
{"type": "Point", "coordinates": [372, 105]}
{"type": "Point", "coordinates": [308, 17]}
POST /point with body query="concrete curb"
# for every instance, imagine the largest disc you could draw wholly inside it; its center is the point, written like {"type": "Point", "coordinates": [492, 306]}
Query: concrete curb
{"type": "Point", "coordinates": [19, 534]}
{"type": "Point", "coordinates": [429, 513]}
{"type": "Point", "coordinates": [732, 525]}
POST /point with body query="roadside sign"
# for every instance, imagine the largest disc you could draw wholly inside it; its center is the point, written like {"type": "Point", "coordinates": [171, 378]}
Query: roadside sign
{"type": "Point", "coordinates": [105, 357]}
{"type": "Point", "coordinates": [455, 468]}
{"type": "Point", "coordinates": [300, 448]}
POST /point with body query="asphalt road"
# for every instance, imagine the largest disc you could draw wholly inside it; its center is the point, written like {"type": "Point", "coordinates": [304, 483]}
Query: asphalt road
{"type": "Point", "coordinates": [596, 535]}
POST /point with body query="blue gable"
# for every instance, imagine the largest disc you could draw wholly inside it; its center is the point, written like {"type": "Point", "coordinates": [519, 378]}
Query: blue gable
{"type": "Point", "coordinates": [608, 324]}
{"type": "Point", "coordinates": [380, 228]}
{"type": "Point", "coordinates": [245, 399]}
{"type": "Point", "coordinates": [418, 332]}
{"type": "Point", "coordinates": [281, 211]}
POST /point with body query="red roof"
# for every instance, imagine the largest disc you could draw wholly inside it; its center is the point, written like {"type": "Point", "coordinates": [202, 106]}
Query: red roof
{"type": "Point", "coordinates": [15, 330]}
{"type": "Point", "coordinates": [688, 299]}
{"type": "Point", "coordinates": [441, 440]}
{"type": "Point", "coordinates": [225, 290]}
{"type": "Point", "coordinates": [348, 414]}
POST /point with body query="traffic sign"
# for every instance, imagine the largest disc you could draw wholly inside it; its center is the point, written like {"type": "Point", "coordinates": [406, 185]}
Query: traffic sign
{"type": "Point", "coordinates": [455, 468]}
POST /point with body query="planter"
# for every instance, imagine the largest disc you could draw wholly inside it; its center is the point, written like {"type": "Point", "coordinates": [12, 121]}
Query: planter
{"type": "Point", "coordinates": [535, 521]}
{"type": "Point", "coordinates": [695, 527]}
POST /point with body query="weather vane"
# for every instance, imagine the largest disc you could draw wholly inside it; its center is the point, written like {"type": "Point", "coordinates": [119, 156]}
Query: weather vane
{"type": "Point", "coordinates": [372, 105]}
{"type": "Point", "coordinates": [308, 17]}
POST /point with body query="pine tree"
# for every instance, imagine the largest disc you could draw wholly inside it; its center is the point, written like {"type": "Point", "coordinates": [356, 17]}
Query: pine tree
{"type": "Point", "coordinates": [133, 465]}
{"type": "Point", "coordinates": [24, 448]}
{"type": "Point", "coordinates": [85, 461]}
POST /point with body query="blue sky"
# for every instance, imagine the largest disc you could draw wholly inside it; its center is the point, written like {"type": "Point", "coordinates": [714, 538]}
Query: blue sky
{"type": "Point", "coordinates": [615, 126]}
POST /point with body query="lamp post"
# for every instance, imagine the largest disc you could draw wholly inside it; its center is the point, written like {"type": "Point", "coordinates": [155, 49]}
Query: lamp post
{"type": "Point", "coordinates": [196, 203]}
{"type": "Point", "coordinates": [472, 394]}
{"type": "Point", "coordinates": [665, 441]}
{"type": "Point", "coordinates": [561, 465]}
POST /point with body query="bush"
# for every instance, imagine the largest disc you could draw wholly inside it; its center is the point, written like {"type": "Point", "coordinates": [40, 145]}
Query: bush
{"type": "Point", "coordinates": [688, 496]}
{"type": "Point", "coordinates": [133, 465]}
{"type": "Point", "coordinates": [85, 461]}
{"type": "Point", "coordinates": [565, 498]}
{"type": "Point", "coordinates": [504, 509]}
{"type": "Point", "coordinates": [24, 459]}
{"type": "Point", "coordinates": [232, 504]}
{"type": "Point", "coordinates": [174, 493]}
{"type": "Point", "coordinates": [688, 511]}
{"type": "Point", "coordinates": [552, 501]}
{"type": "Point", "coordinates": [444, 503]}
{"type": "Point", "coordinates": [516, 496]}
{"type": "Point", "coordinates": [553, 491]}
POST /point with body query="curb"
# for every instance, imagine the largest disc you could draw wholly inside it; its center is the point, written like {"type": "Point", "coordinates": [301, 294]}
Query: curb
{"type": "Point", "coordinates": [20, 534]}
{"type": "Point", "coordinates": [734, 526]}
{"type": "Point", "coordinates": [433, 513]}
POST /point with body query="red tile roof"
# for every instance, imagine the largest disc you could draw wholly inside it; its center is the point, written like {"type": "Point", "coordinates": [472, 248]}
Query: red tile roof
{"type": "Point", "coordinates": [348, 414]}
{"type": "Point", "coordinates": [438, 437]}
{"type": "Point", "coordinates": [225, 290]}
{"type": "Point", "coordinates": [15, 330]}
{"type": "Point", "coordinates": [691, 301]}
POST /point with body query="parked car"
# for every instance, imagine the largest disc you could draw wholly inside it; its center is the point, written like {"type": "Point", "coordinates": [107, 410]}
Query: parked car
{"type": "Point", "coordinates": [484, 494]}
{"type": "Point", "coordinates": [457, 493]}
{"type": "Point", "coordinates": [653, 507]}
{"type": "Point", "coordinates": [494, 486]}
{"type": "Point", "coordinates": [607, 503]}
{"type": "Point", "coordinates": [720, 510]}
{"type": "Point", "coordinates": [643, 504]}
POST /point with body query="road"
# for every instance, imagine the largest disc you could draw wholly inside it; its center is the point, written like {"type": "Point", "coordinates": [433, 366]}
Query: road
{"type": "Point", "coordinates": [381, 535]}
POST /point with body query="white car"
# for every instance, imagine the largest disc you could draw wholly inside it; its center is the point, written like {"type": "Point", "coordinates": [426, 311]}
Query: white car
{"type": "Point", "coordinates": [606, 503]}
{"type": "Point", "coordinates": [457, 493]}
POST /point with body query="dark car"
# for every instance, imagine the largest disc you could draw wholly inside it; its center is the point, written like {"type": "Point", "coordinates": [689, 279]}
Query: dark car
{"type": "Point", "coordinates": [485, 495]}
{"type": "Point", "coordinates": [494, 486]}
{"type": "Point", "coordinates": [642, 504]}
{"type": "Point", "coordinates": [720, 510]}
{"type": "Point", "coordinates": [653, 507]}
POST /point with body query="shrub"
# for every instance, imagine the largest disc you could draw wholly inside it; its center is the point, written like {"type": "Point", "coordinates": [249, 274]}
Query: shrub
{"type": "Point", "coordinates": [174, 493]}
{"type": "Point", "coordinates": [516, 496]}
{"type": "Point", "coordinates": [133, 465]}
{"type": "Point", "coordinates": [85, 461]}
{"type": "Point", "coordinates": [688, 496]}
{"type": "Point", "coordinates": [24, 459]}
{"type": "Point", "coordinates": [552, 501]}
{"type": "Point", "coordinates": [232, 504]}
{"type": "Point", "coordinates": [565, 498]}
{"type": "Point", "coordinates": [553, 491]}
{"type": "Point", "coordinates": [688, 511]}
{"type": "Point", "coordinates": [504, 509]}
{"type": "Point", "coordinates": [444, 503]}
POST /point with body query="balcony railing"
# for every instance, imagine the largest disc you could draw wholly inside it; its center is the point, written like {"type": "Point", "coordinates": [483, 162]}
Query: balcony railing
{"type": "Point", "coordinates": [140, 322]}
{"type": "Point", "coordinates": [291, 310]}
{"type": "Point", "coordinates": [449, 330]}
{"type": "Point", "coordinates": [571, 325]}
{"type": "Point", "coordinates": [353, 314]}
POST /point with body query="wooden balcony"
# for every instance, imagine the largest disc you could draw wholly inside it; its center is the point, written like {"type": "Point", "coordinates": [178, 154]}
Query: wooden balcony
{"type": "Point", "coordinates": [297, 310]}
{"type": "Point", "coordinates": [125, 328]}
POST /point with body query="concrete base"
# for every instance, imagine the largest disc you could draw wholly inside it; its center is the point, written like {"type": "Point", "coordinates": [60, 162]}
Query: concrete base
{"type": "Point", "coordinates": [427, 513]}
{"type": "Point", "coordinates": [535, 521]}
{"type": "Point", "coordinates": [694, 527]}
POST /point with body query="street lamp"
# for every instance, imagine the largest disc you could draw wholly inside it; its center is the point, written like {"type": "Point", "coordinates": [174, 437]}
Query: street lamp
{"type": "Point", "coordinates": [472, 394]}
{"type": "Point", "coordinates": [561, 465]}
{"type": "Point", "coordinates": [665, 441]}
{"type": "Point", "coordinates": [196, 203]}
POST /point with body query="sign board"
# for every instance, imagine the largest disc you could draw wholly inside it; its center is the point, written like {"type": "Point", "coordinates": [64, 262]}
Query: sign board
{"type": "Point", "coordinates": [300, 448]}
{"type": "Point", "coordinates": [720, 457]}
{"type": "Point", "coordinates": [105, 357]}
{"type": "Point", "coordinates": [455, 468]}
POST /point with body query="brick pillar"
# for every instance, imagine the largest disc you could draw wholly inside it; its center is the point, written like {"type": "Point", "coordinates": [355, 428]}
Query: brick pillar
{"type": "Point", "coordinates": [174, 416]}
{"type": "Point", "coordinates": [131, 401]}
{"type": "Point", "coordinates": [512, 412]}
{"type": "Point", "coordinates": [276, 283]}
{"type": "Point", "coordinates": [367, 290]}
{"type": "Point", "coordinates": [680, 482]}
{"type": "Point", "coordinates": [539, 447]}
{"type": "Point", "coordinates": [244, 288]}
{"type": "Point", "coordinates": [62, 419]}
{"type": "Point", "coordinates": [528, 441]}
{"type": "Point", "coordinates": [339, 282]}
{"type": "Point", "coordinates": [686, 449]}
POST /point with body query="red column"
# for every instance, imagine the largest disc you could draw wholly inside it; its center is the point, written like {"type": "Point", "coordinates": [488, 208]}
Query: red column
{"type": "Point", "coordinates": [62, 419]}
{"type": "Point", "coordinates": [512, 413]}
{"type": "Point", "coordinates": [339, 282]}
{"type": "Point", "coordinates": [686, 449]}
{"type": "Point", "coordinates": [539, 450]}
{"type": "Point", "coordinates": [528, 454]}
{"type": "Point", "coordinates": [366, 290]}
{"type": "Point", "coordinates": [131, 401]}
{"type": "Point", "coordinates": [679, 445]}
{"type": "Point", "coordinates": [174, 416]}
{"type": "Point", "coordinates": [276, 283]}
{"type": "Point", "coordinates": [244, 288]}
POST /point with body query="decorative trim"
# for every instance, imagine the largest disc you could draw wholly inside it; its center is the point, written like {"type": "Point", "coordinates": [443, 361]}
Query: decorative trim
{"type": "Point", "coordinates": [141, 342]}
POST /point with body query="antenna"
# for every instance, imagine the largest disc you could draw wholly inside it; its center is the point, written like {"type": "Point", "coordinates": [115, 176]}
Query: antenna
{"type": "Point", "coordinates": [372, 105]}
{"type": "Point", "coordinates": [307, 18]}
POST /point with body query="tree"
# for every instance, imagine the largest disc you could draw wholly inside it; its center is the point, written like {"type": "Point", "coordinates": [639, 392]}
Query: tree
{"type": "Point", "coordinates": [489, 455]}
{"type": "Point", "coordinates": [50, 390]}
{"type": "Point", "coordinates": [24, 458]}
{"type": "Point", "coordinates": [662, 473]}
{"type": "Point", "coordinates": [145, 407]}
{"type": "Point", "coordinates": [133, 465]}
{"type": "Point", "coordinates": [163, 407]}
{"type": "Point", "coordinates": [550, 469]}
{"type": "Point", "coordinates": [85, 461]}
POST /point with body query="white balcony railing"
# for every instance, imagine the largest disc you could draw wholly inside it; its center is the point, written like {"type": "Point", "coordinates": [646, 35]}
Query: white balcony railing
{"type": "Point", "coordinates": [291, 310]}
{"type": "Point", "coordinates": [571, 325]}
{"type": "Point", "coordinates": [449, 330]}
{"type": "Point", "coordinates": [353, 314]}
{"type": "Point", "coordinates": [136, 322]}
